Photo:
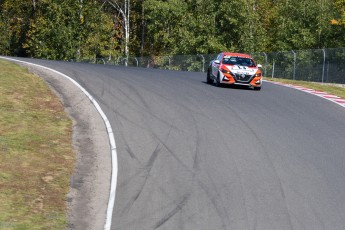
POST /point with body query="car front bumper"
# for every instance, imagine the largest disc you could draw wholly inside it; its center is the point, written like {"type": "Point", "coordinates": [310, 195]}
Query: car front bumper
{"type": "Point", "coordinates": [234, 80]}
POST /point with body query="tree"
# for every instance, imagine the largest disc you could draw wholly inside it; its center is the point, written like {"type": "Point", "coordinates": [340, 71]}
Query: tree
{"type": "Point", "coordinates": [123, 8]}
{"type": "Point", "coordinates": [65, 29]}
{"type": "Point", "coordinates": [97, 32]}
{"type": "Point", "coordinates": [70, 30]}
{"type": "Point", "coordinates": [164, 20]}
{"type": "Point", "coordinates": [52, 31]}
{"type": "Point", "coordinates": [340, 6]}
{"type": "Point", "coordinates": [5, 35]}
{"type": "Point", "coordinates": [15, 18]}
{"type": "Point", "coordinates": [302, 24]}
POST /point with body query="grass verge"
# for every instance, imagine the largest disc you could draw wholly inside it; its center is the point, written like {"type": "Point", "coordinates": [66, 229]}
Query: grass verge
{"type": "Point", "coordinates": [337, 90]}
{"type": "Point", "coordinates": [36, 153]}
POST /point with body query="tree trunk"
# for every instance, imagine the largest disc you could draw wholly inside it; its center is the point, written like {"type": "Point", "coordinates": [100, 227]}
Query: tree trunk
{"type": "Point", "coordinates": [125, 13]}
{"type": "Point", "coordinates": [142, 34]}
{"type": "Point", "coordinates": [126, 22]}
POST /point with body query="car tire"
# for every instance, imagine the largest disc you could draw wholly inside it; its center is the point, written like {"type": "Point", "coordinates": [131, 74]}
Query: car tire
{"type": "Point", "coordinates": [208, 78]}
{"type": "Point", "coordinates": [218, 81]}
{"type": "Point", "coordinates": [257, 88]}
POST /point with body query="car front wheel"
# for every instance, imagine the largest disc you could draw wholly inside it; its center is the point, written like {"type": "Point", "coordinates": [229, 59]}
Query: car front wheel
{"type": "Point", "coordinates": [218, 81]}
{"type": "Point", "coordinates": [208, 78]}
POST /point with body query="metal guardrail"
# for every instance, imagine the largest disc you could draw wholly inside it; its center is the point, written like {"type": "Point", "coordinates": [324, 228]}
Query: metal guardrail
{"type": "Point", "coordinates": [321, 65]}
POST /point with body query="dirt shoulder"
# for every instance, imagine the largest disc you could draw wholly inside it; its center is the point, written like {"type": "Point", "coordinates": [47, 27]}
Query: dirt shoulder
{"type": "Point", "coordinates": [90, 183]}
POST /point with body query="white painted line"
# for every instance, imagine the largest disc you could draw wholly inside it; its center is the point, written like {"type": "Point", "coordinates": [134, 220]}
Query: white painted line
{"type": "Point", "coordinates": [335, 99]}
{"type": "Point", "coordinates": [112, 142]}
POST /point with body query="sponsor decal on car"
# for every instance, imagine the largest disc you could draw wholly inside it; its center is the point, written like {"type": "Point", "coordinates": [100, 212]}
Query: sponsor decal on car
{"type": "Point", "coordinates": [242, 69]}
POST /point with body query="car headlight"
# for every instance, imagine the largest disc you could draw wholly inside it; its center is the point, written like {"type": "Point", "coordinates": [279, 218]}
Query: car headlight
{"type": "Point", "coordinates": [258, 75]}
{"type": "Point", "coordinates": [228, 72]}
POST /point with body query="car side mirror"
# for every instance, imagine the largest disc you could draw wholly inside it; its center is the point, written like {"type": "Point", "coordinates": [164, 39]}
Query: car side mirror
{"type": "Point", "coordinates": [259, 66]}
{"type": "Point", "coordinates": [216, 62]}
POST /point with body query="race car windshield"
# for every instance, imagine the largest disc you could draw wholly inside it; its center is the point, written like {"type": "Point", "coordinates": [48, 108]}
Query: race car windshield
{"type": "Point", "coordinates": [238, 61]}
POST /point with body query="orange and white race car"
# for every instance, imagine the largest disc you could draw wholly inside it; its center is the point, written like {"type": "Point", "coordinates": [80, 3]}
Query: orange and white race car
{"type": "Point", "coordinates": [236, 69]}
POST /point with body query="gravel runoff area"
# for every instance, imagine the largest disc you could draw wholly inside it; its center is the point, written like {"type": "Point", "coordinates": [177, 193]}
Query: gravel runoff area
{"type": "Point", "coordinates": [90, 183]}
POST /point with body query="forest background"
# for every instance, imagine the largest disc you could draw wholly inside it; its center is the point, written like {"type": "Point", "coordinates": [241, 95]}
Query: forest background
{"type": "Point", "coordinates": [84, 29]}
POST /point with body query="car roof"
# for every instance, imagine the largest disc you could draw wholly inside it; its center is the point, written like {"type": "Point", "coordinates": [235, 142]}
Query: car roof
{"type": "Point", "coordinates": [236, 54]}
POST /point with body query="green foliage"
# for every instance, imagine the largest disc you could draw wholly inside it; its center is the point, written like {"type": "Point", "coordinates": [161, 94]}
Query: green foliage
{"type": "Point", "coordinates": [303, 24]}
{"type": "Point", "coordinates": [164, 22]}
{"type": "Point", "coordinates": [340, 6]}
{"type": "Point", "coordinates": [15, 16]}
{"type": "Point", "coordinates": [5, 35]}
{"type": "Point", "coordinates": [53, 38]}
{"type": "Point", "coordinates": [96, 33]}
{"type": "Point", "coordinates": [69, 29]}
{"type": "Point", "coordinates": [62, 29]}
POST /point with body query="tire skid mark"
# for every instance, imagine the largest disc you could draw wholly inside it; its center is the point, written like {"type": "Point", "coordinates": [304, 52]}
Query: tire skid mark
{"type": "Point", "coordinates": [241, 185]}
{"type": "Point", "coordinates": [188, 169]}
{"type": "Point", "coordinates": [134, 93]}
{"type": "Point", "coordinates": [127, 147]}
{"type": "Point", "coordinates": [307, 202]}
{"type": "Point", "coordinates": [143, 112]}
{"type": "Point", "coordinates": [173, 212]}
{"type": "Point", "coordinates": [147, 171]}
{"type": "Point", "coordinates": [174, 155]}
{"type": "Point", "coordinates": [168, 99]}
{"type": "Point", "coordinates": [264, 150]}
{"type": "Point", "coordinates": [196, 158]}
{"type": "Point", "coordinates": [157, 211]}
{"type": "Point", "coordinates": [299, 221]}
{"type": "Point", "coordinates": [220, 211]}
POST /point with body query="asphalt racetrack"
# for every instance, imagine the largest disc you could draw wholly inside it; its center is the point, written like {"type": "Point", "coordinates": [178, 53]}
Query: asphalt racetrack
{"type": "Point", "coordinates": [194, 156]}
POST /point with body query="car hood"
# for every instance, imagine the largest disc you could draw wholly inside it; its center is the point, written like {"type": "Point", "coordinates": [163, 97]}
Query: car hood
{"type": "Point", "coordinates": [238, 69]}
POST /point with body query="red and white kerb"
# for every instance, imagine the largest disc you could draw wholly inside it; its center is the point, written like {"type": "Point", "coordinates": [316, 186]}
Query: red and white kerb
{"type": "Point", "coordinates": [327, 96]}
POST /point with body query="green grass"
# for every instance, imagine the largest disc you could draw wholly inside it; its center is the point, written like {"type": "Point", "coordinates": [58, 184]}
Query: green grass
{"type": "Point", "coordinates": [36, 153]}
{"type": "Point", "coordinates": [337, 90]}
